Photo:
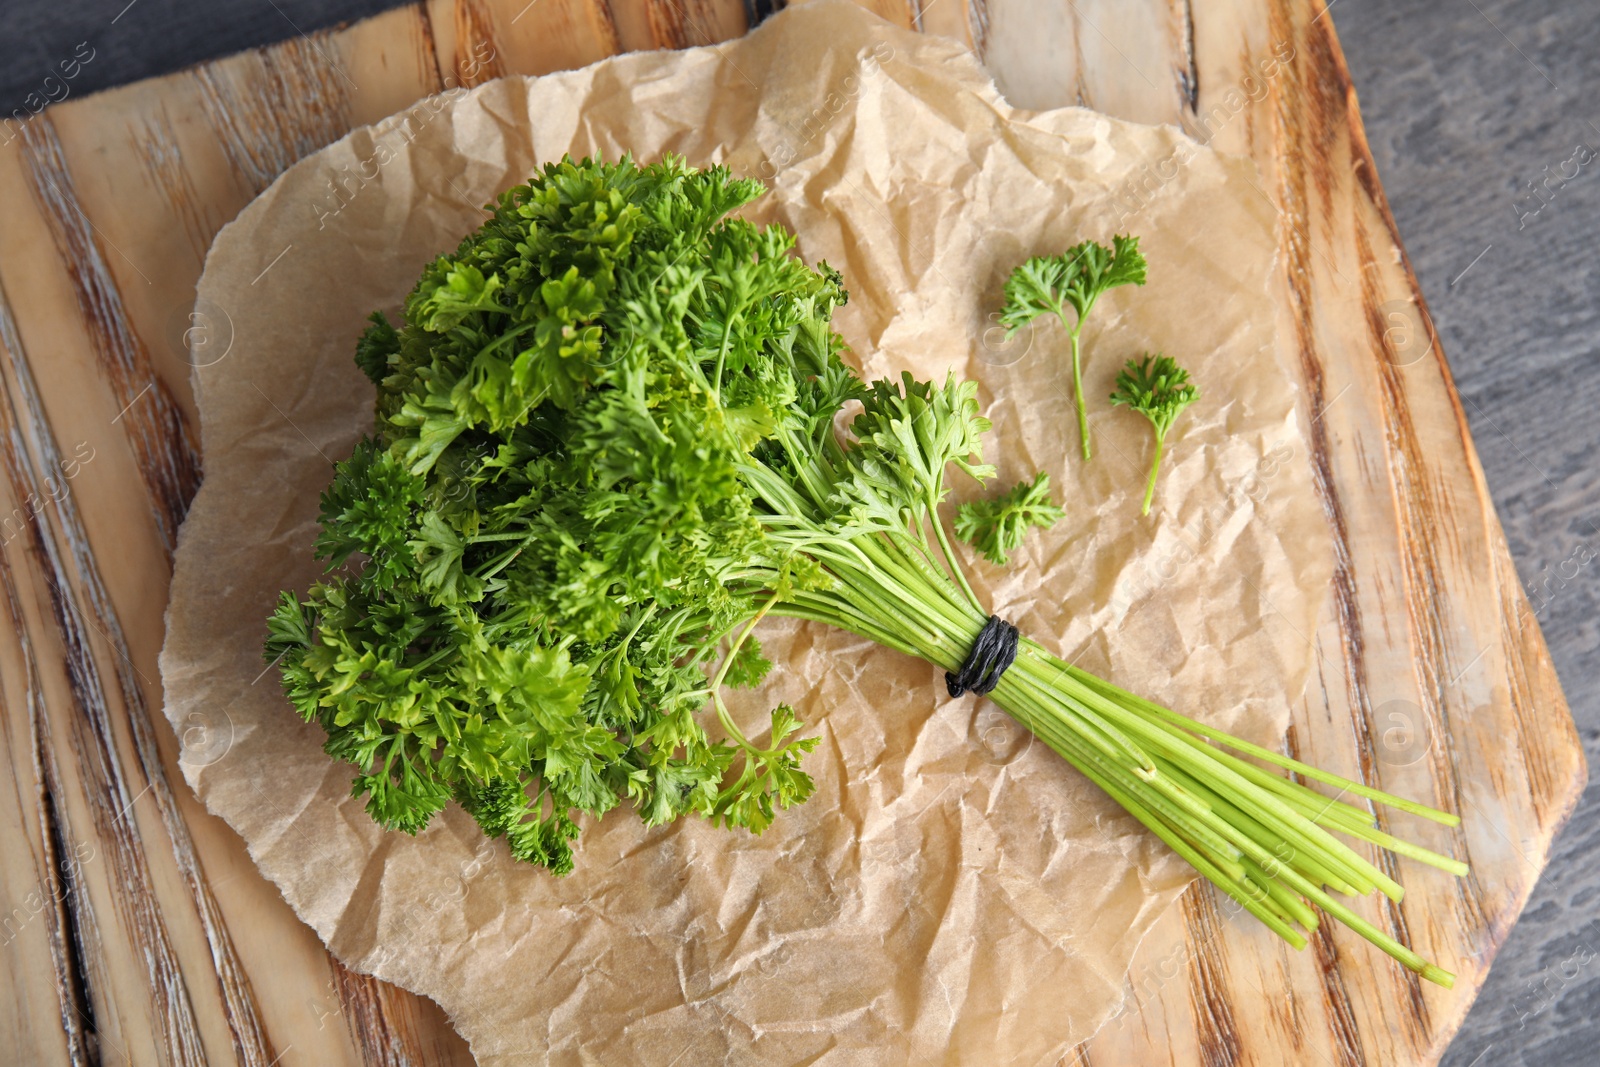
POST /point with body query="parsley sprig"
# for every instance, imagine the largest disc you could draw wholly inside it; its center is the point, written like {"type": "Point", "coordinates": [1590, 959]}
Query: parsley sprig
{"type": "Point", "coordinates": [996, 527]}
{"type": "Point", "coordinates": [605, 449]}
{"type": "Point", "coordinates": [1074, 279]}
{"type": "Point", "coordinates": [1157, 388]}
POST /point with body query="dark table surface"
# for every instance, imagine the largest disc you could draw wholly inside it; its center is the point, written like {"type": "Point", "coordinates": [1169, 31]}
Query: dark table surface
{"type": "Point", "coordinates": [1484, 116]}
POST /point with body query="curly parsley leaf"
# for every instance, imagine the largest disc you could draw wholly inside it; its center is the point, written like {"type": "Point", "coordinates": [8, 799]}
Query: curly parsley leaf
{"type": "Point", "coordinates": [997, 526]}
{"type": "Point", "coordinates": [771, 778]}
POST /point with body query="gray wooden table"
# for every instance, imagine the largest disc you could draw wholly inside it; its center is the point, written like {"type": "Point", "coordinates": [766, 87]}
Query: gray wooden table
{"type": "Point", "coordinates": [1484, 117]}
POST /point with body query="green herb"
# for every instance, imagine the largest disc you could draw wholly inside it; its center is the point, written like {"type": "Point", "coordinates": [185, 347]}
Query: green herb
{"type": "Point", "coordinates": [1158, 389]}
{"type": "Point", "coordinates": [1076, 279]}
{"type": "Point", "coordinates": [996, 527]}
{"type": "Point", "coordinates": [605, 449]}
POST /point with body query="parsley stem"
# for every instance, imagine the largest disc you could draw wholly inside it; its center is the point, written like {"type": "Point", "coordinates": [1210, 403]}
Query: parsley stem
{"type": "Point", "coordinates": [852, 622]}
{"type": "Point", "coordinates": [722, 355]}
{"type": "Point", "coordinates": [937, 584]}
{"type": "Point", "coordinates": [1077, 390]}
{"type": "Point", "coordinates": [949, 555]}
{"type": "Point", "coordinates": [1155, 710]}
{"type": "Point", "coordinates": [733, 649]}
{"type": "Point", "coordinates": [1253, 846]}
{"type": "Point", "coordinates": [500, 563]}
{"type": "Point", "coordinates": [1155, 466]}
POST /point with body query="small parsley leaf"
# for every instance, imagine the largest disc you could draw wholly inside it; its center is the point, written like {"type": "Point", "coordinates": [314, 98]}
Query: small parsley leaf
{"type": "Point", "coordinates": [996, 527]}
{"type": "Point", "coordinates": [1157, 388]}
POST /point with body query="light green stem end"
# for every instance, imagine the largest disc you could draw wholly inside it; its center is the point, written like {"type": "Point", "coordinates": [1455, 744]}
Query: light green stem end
{"type": "Point", "coordinates": [1077, 391]}
{"type": "Point", "coordinates": [1155, 468]}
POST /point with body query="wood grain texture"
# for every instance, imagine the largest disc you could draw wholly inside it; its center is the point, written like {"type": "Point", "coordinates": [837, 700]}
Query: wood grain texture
{"type": "Point", "coordinates": [155, 941]}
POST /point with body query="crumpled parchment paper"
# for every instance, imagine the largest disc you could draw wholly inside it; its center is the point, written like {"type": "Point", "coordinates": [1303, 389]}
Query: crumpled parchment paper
{"type": "Point", "coordinates": [954, 892]}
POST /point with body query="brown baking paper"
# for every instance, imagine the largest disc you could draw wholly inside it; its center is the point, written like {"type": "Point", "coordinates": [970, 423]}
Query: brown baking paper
{"type": "Point", "coordinates": [953, 892]}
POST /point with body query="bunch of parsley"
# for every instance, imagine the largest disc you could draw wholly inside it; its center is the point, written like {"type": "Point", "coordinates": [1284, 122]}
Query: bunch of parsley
{"type": "Point", "coordinates": [605, 448]}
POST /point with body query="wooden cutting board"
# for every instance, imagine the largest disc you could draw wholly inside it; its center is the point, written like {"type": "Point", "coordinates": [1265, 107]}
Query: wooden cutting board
{"type": "Point", "coordinates": [138, 931]}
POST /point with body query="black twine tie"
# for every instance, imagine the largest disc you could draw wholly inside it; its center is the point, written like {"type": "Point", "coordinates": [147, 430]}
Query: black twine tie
{"type": "Point", "coordinates": [994, 650]}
